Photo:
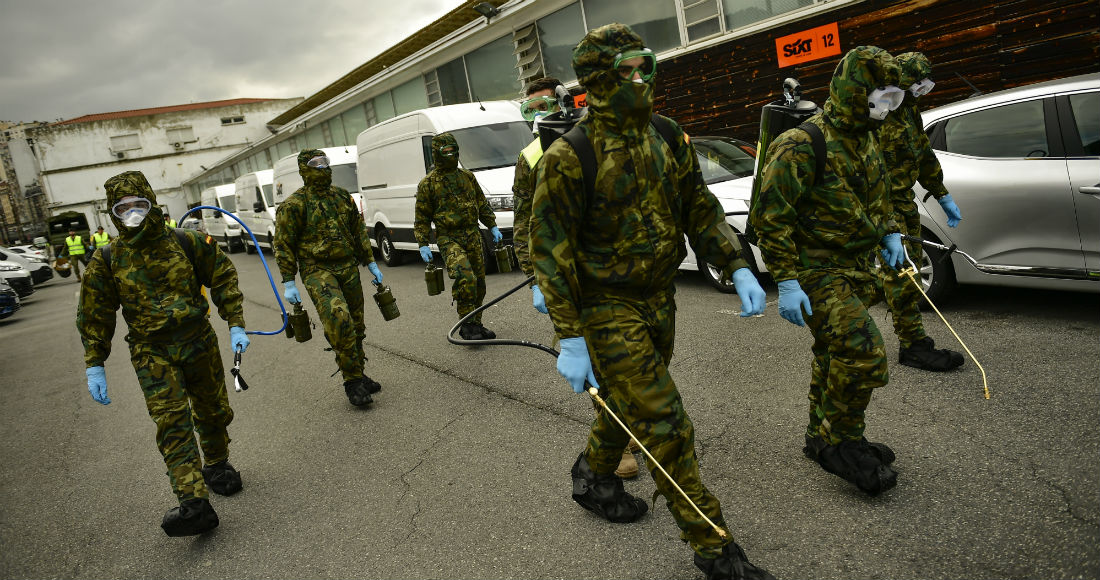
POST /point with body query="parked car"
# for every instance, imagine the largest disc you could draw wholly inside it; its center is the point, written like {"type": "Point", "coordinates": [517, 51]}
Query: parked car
{"type": "Point", "coordinates": [38, 267]}
{"type": "Point", "coordinates": [31, 250]}
{"type": "Point", "coordinates": [727, 166]}
{"type": "Point", "coordinates": [1024, 167]}
{"type": "Point", "coordinates": [9, 300]}
{"type": "Point", "coordinates": [192, 223]}
{"type": "Point", "coordinates": [224, 229]}
{"type": "Point", "coordinates": [17, 277]}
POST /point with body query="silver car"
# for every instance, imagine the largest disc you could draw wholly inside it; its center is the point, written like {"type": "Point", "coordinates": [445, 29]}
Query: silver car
{"type": "Point", "coordinates": [1024, 167]}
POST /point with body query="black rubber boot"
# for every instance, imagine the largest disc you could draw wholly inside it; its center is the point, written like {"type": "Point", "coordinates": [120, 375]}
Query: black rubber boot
{"type": "Point", "coordinates": [222, 478]}
{"type": "Point", "coordinates": [371, 384]}
{"type": "Point", "coordinates": [470, 331]}
{"type": "Point", "coordinates": [855, 462]}
{"type": "Point", "coordinates": [356, 391]}
{"type": "Point", "coordinates": [924, 355]}
{"type": "Point", "coordinates": [815, 444]}
{"type": "Point", "coordinates": [731, 565]}
{"type": "Point", "coordinates": [192, 517]}
{"type": "Point", "coordinates": [604, 494]}
{"type": "Point", "coordinates": [486, 334]}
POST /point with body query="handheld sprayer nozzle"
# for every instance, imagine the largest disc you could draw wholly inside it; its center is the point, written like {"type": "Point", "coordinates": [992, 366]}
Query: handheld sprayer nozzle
{"type": "Point", "coordinates": [792, 90]}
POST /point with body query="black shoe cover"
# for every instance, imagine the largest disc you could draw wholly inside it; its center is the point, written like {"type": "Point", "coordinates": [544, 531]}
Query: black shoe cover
{"type": "Point", "coordinates": [192, 517]}
{"type": "Point", "coordinates": [924, 355]}
{"type": "Point", "coordinates": [604, 494]}
{"type": "Point", "coordinates": [222, 478]}
{"type": "Point", "coordinates": [815, 444]}
{"type": "Point", "coordinates": [731, 565]}
{"type": "Point", "coordinates": [469, 331]}
{"type": "Point", "coordinates": [357, 393]}
{"type": "Point", "coordinates": [486, 334]}
{"type": "Point", "coordinates": [371, 384]}
{"type": "Point", "coordinates": [855, 462]}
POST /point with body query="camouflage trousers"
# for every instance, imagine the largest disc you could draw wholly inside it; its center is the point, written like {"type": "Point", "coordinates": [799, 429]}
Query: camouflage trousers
{"type": "Point", "coordinates": [184, 388]}
{"type": "Point", "coordinates": [464, 256]}
{"type": "Point", "coordinates": [902, 297]}
{"type": "Point", "coordinates": [630, 343]}
{"type": "Point", "coordinates": [337, 294]}
{"type": "Point", "coordinates": [849, 357]}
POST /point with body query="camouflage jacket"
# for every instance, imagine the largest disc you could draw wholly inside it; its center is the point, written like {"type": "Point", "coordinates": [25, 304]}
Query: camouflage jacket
{"type": "Point", "coordinates": [316, 227]}
{"type": "Point", "coordinates": [523, 189]}
{"type": "Point", "coordinates": [909, 155]}
{"type": "Point", "coordinates": [453, 200]}
{"type": "Point", "coordinates": [628, 240]}
{"type": "Point", "coordinates": [850, 212]}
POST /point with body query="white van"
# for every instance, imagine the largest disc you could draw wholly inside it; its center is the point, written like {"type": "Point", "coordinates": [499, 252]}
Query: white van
{"type": "Point", "coordinates": [395, 155]}
{"type": "Point", "coordinates": [221, 227]}
{"type": "Point", "coordinates": [256, 208]}
{"type": "Point", "coordinates": [342, 159]}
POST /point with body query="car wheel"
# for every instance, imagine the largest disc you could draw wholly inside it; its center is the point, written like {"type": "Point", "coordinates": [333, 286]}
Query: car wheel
{"type": "Point", "coordinates": [229, 246]}
{"type": "Point", "coordinates": [248, 247]}
{"type": "Point", "coordinates": [714, 277]}
{"type": "Point", "coordinates": [391, 256]}
{"type": "Point", "coordinates": [937, 274]}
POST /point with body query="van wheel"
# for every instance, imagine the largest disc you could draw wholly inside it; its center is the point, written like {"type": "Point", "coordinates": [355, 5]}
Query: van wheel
{"type": "Point", "coordinates": [248, 248]}
{"type": "Point", "coordinates": [714, 277]}
{"type": "Point", "coordinates": [937, 273]}
{"type": "Point", "coordinates": [391, 256]}
{"type": "Point", "coordinates": [230, 247]}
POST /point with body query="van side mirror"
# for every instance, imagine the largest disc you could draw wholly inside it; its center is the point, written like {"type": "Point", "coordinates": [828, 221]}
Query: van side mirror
{"type": "Point", "coordinates": [258, 206]}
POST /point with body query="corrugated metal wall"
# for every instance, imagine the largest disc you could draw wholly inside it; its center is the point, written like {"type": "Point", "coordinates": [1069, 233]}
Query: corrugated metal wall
{"type": "Point", "coordinates": [995, 45]}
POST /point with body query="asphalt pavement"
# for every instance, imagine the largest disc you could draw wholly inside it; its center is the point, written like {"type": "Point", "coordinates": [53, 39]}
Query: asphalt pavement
{"type": "Point", "coordinates": [460, 469]}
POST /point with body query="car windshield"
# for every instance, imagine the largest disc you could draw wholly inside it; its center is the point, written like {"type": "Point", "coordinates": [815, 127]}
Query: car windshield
{"type": "Point", "coordinates": [492, 146]}
{"type": "Point", "coordinates": [343, 176]}
{"type": "Point", "coordinates": [722, 159]}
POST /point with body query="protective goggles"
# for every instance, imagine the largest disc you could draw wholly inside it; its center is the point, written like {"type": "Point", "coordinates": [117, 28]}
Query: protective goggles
{"type": "Point", "coordinates": [449, 151]}
{"type": "Point", "coordinates": [319, 162]}
{"type": "Point", "coordinates": [538, 106]}
{"type": "Point", "coordinates": [922, 87]}
{"type": "Point", "coordinates": [641, 62]}
{"type": "Point", "coordinates": [883, 100]}
{"type": "Point", "coordinates": [130, 203]}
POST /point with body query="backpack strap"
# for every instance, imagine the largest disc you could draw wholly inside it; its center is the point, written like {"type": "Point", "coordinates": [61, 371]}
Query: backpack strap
{"type": "Point", "coordinates": [817, 140]}
{"type": "Point", "coordinates": [182, 239]}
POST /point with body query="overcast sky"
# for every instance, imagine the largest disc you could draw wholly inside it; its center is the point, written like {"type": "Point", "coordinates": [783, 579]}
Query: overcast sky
{"type": "Point", "coordinates": [65, 58]}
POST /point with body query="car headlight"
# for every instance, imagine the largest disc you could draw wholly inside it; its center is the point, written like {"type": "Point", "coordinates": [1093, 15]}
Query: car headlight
{"type": "Point", "coordinates": [502, 203]}
{"type": "Point", "coordinates": [4, 268]}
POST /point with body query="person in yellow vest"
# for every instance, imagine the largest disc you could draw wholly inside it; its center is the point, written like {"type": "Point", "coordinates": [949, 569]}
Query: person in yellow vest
{"type": "Point", "coordinates": [100, 238]}
{"type": "Point", "coordinates": [74, 249]}
{"type": "Point", "coordinates": [168, 220]}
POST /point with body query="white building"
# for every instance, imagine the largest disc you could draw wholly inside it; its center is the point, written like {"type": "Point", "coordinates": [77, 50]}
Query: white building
{"type": "Point", "coordinates": [167, 144]}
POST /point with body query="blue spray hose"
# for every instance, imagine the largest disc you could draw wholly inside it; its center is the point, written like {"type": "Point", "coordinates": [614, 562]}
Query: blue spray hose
{"type": "Point", "coordinates": [256, 245]}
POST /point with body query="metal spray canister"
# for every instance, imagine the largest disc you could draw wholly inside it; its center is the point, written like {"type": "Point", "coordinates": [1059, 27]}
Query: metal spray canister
{"type": "Point", "coordinates": [433, 276]}
{"type": "Point", "coordinates": [299, 319]}
{"type": "Point", "coordinates": [387, 304]}
{"type": "Point", "coordinates": [503, 255]}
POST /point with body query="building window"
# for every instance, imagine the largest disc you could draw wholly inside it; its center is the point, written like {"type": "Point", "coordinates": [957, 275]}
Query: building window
{"type": "Point", "coordinates": [491, 71]}
{"type": "Point", "coordinates": [125, 142]}
{"type": "Point", "coordinates": [355, 122]}
{"type": "Point", "coordinates": [410, 96]}
{"type": "Point", "coordinates": [232, 120]}
{"type": "Point", "coordinates": [181, 135]}
{"type": "Point", "coordinates": [558, 34]}
{"type": "Point", "coordinates": [452, 85]}
{"type": "Point", "coordinates": [655, 22]}
{"type": "Point", "coordinates": [701, 18]}
{"type": "Point", "coordinates": [741, 13]}
{"type": "Point", "coordinates": [383, 106]}
{"type": "Point", "coordinates": [372, 118]}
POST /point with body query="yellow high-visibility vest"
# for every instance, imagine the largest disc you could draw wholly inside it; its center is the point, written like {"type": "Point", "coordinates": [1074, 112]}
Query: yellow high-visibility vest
{"type": "Point", "coordinates": [171, 223]}
{"type": "Point", "coordinates": [76, 245]}
{"type": "Point", "coordinates": [101, 240]}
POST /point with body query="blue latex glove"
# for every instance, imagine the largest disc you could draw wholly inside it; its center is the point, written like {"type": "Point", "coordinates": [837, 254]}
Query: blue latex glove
{"type": "Point", "coordinates": [952, 210]}
{"type": "Point", "coordinates": [426, 253]}
{"type": "Point", "coordinates": [373, 267]}
{"type": "Point", "coordinates": [97, 384]}
{"type": "Point", "coordinates": [290, 292]}
{"type": "Point", "coordinates": [792, 301]}
{"type": "Point", "coordinates": [497, 236]}
{"type": "Point", "coordinates": [538, 300]}
{"type": "Point", "coordinates": [752, 295]}
{"type": "Point", "coordinates": [893, 254]}
{"type": "Point", "coordinates": [238, 338]}
{"type": "Point", "coordinates": [575, 365]}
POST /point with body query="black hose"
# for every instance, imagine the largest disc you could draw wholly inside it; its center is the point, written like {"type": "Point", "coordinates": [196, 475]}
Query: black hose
{"type": "Point", "coordinates": [495, 341]}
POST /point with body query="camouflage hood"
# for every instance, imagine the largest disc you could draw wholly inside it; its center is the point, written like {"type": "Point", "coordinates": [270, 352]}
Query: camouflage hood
{"type": "Point", "coordinates": [860, 72]}
{"type": "Point", "coordinates": [441, 161]}
{"type": "Point", "coordinates": [133, 183]}
{"type": "Point", "coordinates": [316, 179]}
{"type": "Point", "coordinates": [612, 101]}
{"type": "Point", "coordinates": [914, 67]}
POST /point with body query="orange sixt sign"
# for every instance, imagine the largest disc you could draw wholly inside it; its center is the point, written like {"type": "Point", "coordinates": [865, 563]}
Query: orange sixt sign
{"type": "Point", "coordinates": [812, 44]}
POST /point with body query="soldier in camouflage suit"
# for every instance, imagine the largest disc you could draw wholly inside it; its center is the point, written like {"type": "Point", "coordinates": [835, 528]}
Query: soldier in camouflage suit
{"type": "Point", "coordinates": [320, 234]}
{"type": "Point", "coordinates": [172, 345]}
{"type": "Point", "coordinates": [451, 197]}
{"type": "Point", "coordinates": [606, 266]}
{"type": "Point", "coordinates": [910, 158]}
{"type": "Point", "coordinates": [817, 242]}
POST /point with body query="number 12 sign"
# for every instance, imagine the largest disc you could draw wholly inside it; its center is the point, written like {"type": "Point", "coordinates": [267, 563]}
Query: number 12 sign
{"type": "Point", "coordinates": [812, 44]}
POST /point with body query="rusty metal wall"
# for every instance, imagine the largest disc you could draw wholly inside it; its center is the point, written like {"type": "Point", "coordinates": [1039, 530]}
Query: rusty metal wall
{"type": "Point", "coordinates": [995, 45]}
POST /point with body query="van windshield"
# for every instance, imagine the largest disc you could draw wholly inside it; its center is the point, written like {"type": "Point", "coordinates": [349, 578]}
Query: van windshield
{"type": "Point", "coordinates": [228, 203]}
{"type": "Point", "coordinates": [492, 146]}
{"type": "Point", "coordinates": [343, 176]}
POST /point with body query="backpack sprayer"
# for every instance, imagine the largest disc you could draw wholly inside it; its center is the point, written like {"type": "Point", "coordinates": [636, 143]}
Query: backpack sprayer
{"type": "Point", "coordinates": [238, 381]}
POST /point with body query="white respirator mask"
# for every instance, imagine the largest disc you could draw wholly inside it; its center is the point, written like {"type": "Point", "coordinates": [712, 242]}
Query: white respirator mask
{"type": "Point", "coordinates": [883, 100]}
{"type": "Point", "coordinates": [132, 210]}
{"type": "Point", "coordinates": [921, 88]}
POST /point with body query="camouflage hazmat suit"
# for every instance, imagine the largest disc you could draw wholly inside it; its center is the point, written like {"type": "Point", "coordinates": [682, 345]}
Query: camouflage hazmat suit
{"type": "Point", "coordinates": [172, 345]}
{"type": "Point", "coordinates": [910, 158]}
{"type": "Point", "coordinates": [606, 266]}
{"type": "Point", "coordinates": [523, 189]}
{"type": "Point", "coordinates": [824, 237]}
{"type": "Point", "coordinates": [320, 235]}
{"type": "Point", "coordinates": [450, 197]}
